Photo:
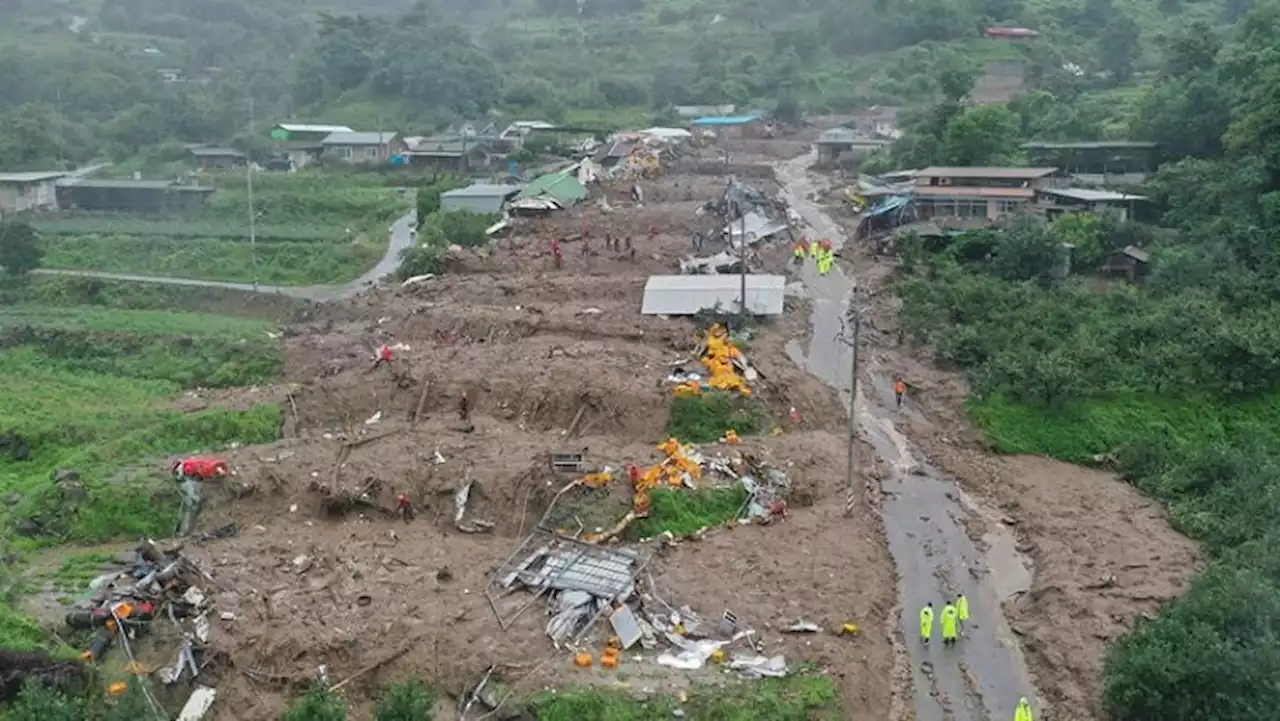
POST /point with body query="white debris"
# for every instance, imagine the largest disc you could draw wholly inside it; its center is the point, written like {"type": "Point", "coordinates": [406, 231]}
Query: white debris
{"type": "Point", "coordinates": [202, 627]}
{"type": "Point", "coordinates": [417, 279]}
{"type": "Point", "coordinates": [227, 616]}
{"type": "Point", "coordinates": [198, 704]}
{"type": "Point", "coordinates": [373, 418]}
{"type": "Point", "coordinates": [194, 596]}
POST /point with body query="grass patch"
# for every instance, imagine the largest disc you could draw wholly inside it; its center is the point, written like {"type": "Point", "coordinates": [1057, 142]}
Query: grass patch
{"type": "Point", "coordinates": [186, 228]}
{"type": "Point", "coordinates": [705, 418]}
{"type": "Point", "coordinates": [95, 293]}
{"type": "Point", "coordinates": [683, 511]}
{"type": "Point", "coordinates": [800, 697]}
{"type": "Point", "coordinates": [1080, 431]}
{"type": "Point", "coordinates": [278, 263]}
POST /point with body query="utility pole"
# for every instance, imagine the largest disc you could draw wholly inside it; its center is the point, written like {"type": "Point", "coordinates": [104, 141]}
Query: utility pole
{"type": "Point", "coordinates": [742, 265]}
{"type": "Point", "coordinates": [253, 220]}
{"type": "Point", "coordinates": [850, 330]}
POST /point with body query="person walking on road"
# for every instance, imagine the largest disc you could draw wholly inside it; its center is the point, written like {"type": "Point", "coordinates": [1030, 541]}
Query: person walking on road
{"type": "Point", "coordinates": [899, 390]}
{"type": "Point", "coordinates": [926, 622]}
{"type": "Point", "coordinates": [949, 615]}
{"type": "Point", "coordinates": [1024, 711]}
{"type": "Point", "coordinates": [962, 608]}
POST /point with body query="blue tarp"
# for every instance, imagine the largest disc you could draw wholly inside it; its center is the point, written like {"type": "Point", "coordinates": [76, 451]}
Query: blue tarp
{"type": "Point", "coordinates": [888, 205]}
{"type": "Point", "coordinates": [726, 120]}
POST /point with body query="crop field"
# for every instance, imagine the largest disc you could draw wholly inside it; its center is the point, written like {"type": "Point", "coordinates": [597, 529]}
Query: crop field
{"type": "Point", "coordinates": [310, 229]}
{"type": "Point", "coordinates": [88, 388]}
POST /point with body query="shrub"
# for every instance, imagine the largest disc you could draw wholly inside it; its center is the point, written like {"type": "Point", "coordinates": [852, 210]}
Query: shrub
{"type": "Point", "coordinates": [705, 418]}
{"type": "Point", "coordinates": [38, 702]}
{"type": "Point", "coordinates": [410, 701]}
{"type": "Point", "coordinates": [320, 704]}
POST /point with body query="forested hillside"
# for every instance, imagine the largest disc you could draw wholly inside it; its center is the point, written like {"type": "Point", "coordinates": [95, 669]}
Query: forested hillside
{"type": "Point", "coordinates": [94, 78]}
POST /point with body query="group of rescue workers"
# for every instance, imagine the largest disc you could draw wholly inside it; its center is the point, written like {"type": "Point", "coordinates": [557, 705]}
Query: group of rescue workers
{"type": "Point", "coordinates": [954, 617]}
{"type": "Point", "coordinates": [820, 251]}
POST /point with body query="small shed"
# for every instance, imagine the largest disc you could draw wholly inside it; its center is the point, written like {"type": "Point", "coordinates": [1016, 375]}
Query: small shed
{"type": "Point", "coordinates": [688, 294]}
{"type": "Point", "coordinates": [1130, 262]}
{"type": "Point", "coordinates": [478, 198]}
{"type": "Point", "coordinates": [130, 196]}
{"type": "Point", "coordinates": [28, 191]}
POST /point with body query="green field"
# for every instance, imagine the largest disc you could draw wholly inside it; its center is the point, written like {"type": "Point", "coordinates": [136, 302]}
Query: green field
{"type": "Point", "coordinates": [88, 388]}
{"type": "Point", "coordinates": [312, 229]}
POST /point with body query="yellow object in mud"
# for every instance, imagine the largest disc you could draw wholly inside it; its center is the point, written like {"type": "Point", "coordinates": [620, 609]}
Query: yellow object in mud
{"type": "Point", "coordinates": [731, 436]}
{"type": "Point", "coordinates": [597, 480]}
{"type": "Point", "coordinates": [849, 629]}
{"type": "Point", "coordinates": [119, 688]}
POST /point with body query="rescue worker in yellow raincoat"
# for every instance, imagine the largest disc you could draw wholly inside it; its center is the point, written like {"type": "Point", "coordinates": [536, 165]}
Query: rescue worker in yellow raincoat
{"type": "Point", "coordinates": [926, 622]}
{"type": "Point", "coordinates": [801, 249]}
{"type": "Point", "coordinates": [949, 620]}
{"type": "Point", "coordinates": [825, 261]}
{"type": "Point", "coordinates": [815, 249]}
{"type": "Point", "coordinates": [962, 607]}
{"type": "Point", "coordinates": [1024, 711]}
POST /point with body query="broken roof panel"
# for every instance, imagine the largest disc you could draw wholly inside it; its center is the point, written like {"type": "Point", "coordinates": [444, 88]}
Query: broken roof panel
{"type": "Point", "coordinates": [757, 226]}
{"type": "Point", "coordinates": [306, 128]}
{"type": "Point", "coordinates": [562, 187]}
{"type": "Point", "coordinates": [688, 294]}
{"type": "Point", "coordinates": [1087, 195]}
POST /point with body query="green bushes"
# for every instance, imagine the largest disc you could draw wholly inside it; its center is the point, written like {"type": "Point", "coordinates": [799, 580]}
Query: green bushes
{"type": "Point", "coordinates": [320, 704]}
{"type": "Point", "coordinates": [802, 696]}
{"type": "Point", "coordinates": [705, 418]}
{"type": "Point", "coordinates": [683, 512]}
{"type": "Point", "coordinates": [411, 701]}
{"type": "Point", "coordinates": [278, 263]}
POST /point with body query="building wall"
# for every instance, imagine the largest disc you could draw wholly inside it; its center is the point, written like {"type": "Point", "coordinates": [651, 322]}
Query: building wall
{"type": "Point", "coordinates": [19, 197]}
{"type": "Point", "coordinates": [989, 208]}
{"type": "Point", "coordinates": [472, 203]}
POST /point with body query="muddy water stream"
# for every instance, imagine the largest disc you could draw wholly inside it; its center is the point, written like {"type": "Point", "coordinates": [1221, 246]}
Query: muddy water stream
{"type": "Point", "coordinates": [983, 676]}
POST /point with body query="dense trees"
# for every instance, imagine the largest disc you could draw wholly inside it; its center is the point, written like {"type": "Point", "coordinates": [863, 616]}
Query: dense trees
{"type": "Point", "coordinates": [1175, 380]}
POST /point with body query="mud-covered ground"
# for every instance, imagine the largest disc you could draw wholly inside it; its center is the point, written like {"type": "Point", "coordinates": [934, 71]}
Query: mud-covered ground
{"type": "Point", "coordinates": [551, 360]}
{"type": "Point", "coordinates": [1103, 553]}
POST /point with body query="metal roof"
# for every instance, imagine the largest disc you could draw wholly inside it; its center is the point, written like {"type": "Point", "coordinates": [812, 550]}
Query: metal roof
{"type": "Point", "coordinates": [131, 185]}
{"type": "Point", "coordinates": [972, 191]}
{"type": "Point", "coordinates": [348, 137]}
{"type": "Point", "coordinates": [216, 152]}
{"type": "Point", "coordinates": [32, 177]}
{"type": "Point", "coordinates": [482, 190]}
{"type": "Point", "coordinates": [1090, 196]}
{"type": "Point", "coordinates": [1090, 145]}
{"type": "Point", "coordinates": [304, 128]}
{"type": "Point", "coordinates": [561, 186]}
{"type": "Point", "coordinates": [726, 119]}
{"type": "Point", "coordinates": [1012, 173]}
{"type": "Point", "coordinates": [688, 294]}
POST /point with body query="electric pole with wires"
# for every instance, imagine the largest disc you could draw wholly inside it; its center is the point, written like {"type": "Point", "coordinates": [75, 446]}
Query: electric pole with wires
{"type": "Point", "coordinates": [850, 332]}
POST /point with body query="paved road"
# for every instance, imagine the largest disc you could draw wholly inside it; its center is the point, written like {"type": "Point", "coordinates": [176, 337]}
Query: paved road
{"type": "Point", "coordinates": [400, 239]}
{"type": "Point", "coordinates": [981, 678]}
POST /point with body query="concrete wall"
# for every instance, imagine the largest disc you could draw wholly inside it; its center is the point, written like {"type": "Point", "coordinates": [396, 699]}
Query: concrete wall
{"type": "Point", "coordinates": [19, 197]}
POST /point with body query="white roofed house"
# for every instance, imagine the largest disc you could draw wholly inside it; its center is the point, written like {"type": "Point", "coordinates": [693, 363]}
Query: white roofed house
{"type": "Point", "coordinates": [20, 192]}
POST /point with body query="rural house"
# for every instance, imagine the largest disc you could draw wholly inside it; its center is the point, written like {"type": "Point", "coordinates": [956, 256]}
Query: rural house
{"type": "Point", "coordinates": [130, 196]}
{"type": "Point", "coordinates": [359, 147]}
{"type": "Point", "coordinates": [1056, 201]}
{"type": "Point", "coordinates": [208, 158]}
{"type": "Point", "coordinates": [977, 192]}
{"type": "Point", "coordinates": [733, 126]}
{"type": "Point", "coordinates": [449, 155]}
{"type": "Point", "coordinates": [1124, 161]}
{"type": "Point", "coordinates": [301, 144]}
{"type": "Point", "coordinates": [21, 192]}
{"type": "Point", "coordinates": [839, 144]}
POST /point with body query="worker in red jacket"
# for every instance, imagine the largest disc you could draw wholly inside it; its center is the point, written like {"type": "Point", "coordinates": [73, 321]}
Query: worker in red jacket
{"type": "Point", "coordinates": [190, 474]}
{"type": "Point", "coordinates": [385, 355]}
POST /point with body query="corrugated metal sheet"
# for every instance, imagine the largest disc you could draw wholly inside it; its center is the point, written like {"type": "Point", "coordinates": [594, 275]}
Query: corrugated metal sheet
{"type": "Point", "coordinates": [1090, 196]}
{"type": "Point", "coordinates": [357, 138]}
{"type": "Point", "coordinates": [1003, 173]}
{"type": "Point", "coordinates": [688, 294]}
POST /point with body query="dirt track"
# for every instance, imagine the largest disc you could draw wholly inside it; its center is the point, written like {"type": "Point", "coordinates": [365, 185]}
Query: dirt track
{"type": "Point", "coordinates": [534, 348]}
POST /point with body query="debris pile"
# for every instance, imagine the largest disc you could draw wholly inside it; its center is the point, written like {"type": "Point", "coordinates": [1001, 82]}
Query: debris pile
{"type": "Point", "coordinates": [726, 366]}
{"type": "Point", "coordinates": [159, 586]}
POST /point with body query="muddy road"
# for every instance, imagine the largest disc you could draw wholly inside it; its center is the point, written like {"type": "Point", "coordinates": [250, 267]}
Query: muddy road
{"type": "Point", "coordinates": [924, 513]}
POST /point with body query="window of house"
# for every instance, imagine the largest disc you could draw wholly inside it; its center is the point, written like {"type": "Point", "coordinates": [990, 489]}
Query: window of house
{"type": "Point", "coordinates": [1009, 206]}
{"type": "Point", "coordinates": [344, 153]}
{"type": "Point", "coordinates": [371, 153]}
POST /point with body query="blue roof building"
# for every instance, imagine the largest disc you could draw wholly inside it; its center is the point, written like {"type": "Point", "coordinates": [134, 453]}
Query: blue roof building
{"type": "Point", "coordinates": [727, 120]}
